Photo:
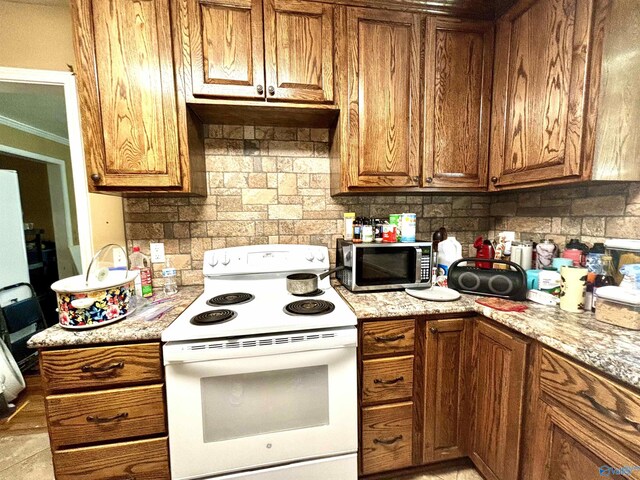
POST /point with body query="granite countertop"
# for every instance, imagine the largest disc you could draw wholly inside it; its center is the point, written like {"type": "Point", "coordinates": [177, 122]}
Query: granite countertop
{"type": "Point", "coordinates": [145, 324]}
{"type": "Point", "coordinates": [607, 348]}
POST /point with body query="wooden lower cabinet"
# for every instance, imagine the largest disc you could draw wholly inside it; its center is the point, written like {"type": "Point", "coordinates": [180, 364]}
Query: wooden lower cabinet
{"type": "Point", "coordinates": [580, 424]}
{"type": "Point", "coordinates": [570, 449]}
{"type": "Point", "coordinates": [106, 412]}
{"type": "Point", "coordinates": [387, 389]}
{"type": "Point", "coordinates": [498, 363]}
{"type": "Point", "coordinates": [443, 389]}
{"type": "Point", "coordinates": [446, 375]}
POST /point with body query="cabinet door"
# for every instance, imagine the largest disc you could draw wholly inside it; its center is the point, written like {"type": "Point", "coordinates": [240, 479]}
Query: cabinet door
{"type": "Point", "coordinates": [540, 74]}
{"type": "Point", "coordinates": [445, 371]}
{"type": "Point", "coordinates": [227, 48]}
{"type": "Point", "coordinates": [499, 359]}
{"type": "Point", "coordinates": [299, 50]}
{"type": "Point", "coordinates": [383, 89]}
{"type": "Point", "coordinates": [570, 450]}
{"type": "Point", "coordinates": [127, 92]}
{"type": "Point", "coordinates": [459, 59]}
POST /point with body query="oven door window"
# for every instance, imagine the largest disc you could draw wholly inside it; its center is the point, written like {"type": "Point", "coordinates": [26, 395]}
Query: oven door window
{"type": "Point", "coordinates": [385, 266]}
{"type": "Point", "coordinates": [249, 404]}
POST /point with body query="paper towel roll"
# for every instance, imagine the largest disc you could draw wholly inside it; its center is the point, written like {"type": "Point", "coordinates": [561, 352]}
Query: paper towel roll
{"type": "Point", "coordinates": [572, 288]}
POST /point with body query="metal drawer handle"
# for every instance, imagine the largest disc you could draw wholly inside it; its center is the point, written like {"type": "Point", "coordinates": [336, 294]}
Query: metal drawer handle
{"type": "Point", "coordinates": [389, 382]}
{"type": "Point", "coordinates": [109, 369]}
{"type": "Point", "coordinates": [390, 441]}
{"type": "Point", "coordinates": [97, 419]}
{"type": "Point", "coordinates": [610, 413]}
{"type": "Point", "coordinates": [392, 338]}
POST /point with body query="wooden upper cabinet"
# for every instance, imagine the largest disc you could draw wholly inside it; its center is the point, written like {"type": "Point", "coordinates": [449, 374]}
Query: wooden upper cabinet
{"type": "Point", "coordinates": [499, 360]}
{"type": "Point", "coordinates": [281, 50]}
{"type": "Point", "coordinates": [458, 72]}
{"type": "Point", "coordinates": [226, 48]}
{"type": "Point", "coordinates": [540, 80]}
{"type": "Point", "coordinates": [127, 93]}
{"type": "Point", "coordinates": [298, 46]}
{"type": "Point", "coordinates": [383, 98]}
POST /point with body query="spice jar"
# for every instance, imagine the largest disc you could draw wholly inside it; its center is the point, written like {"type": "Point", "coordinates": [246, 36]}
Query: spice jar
{"type": "Point", "coordinates": [357, 230]}
{"type": "Point", "coordinates": [367, 230]}
{"type": "Point", "coordinates": [378, 232]}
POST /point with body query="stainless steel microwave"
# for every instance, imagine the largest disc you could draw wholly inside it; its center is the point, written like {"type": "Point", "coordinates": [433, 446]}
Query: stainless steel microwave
{"type": "Point", "coordinates": [383, 266]}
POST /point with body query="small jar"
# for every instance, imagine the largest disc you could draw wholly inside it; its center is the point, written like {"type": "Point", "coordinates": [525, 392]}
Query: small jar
{"type": "Point", "coordinates": [357, 230]}
{"type": "Point", "coordinates": [367, 231]}
{"type": "Point", "coordinates": [377, 233]}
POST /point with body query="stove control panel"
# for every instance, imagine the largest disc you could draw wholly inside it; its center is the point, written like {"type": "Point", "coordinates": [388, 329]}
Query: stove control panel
{"type": "Point", "coordinates": [252, 259]}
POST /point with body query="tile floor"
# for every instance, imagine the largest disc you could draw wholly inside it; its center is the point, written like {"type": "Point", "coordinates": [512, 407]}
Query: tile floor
{"type": "Point", "coordinates": [24, 442]}
{"type": "Point", "coordinates": [25, 454]}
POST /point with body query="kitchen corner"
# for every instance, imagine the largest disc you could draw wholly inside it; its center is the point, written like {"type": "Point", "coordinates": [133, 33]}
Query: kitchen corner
{"type": "Point", "coordinates": [607, 348]}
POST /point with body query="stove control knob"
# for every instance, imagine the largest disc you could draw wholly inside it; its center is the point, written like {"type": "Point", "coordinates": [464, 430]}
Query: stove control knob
{"type": "Point", "coordinates": [225, 259]}
{"type": "Point", "coordinates": [309, 255]}
{"type": "Point", "coordinates": [214, 260]}
{"type": "Point", "coordinates": [320, 256]}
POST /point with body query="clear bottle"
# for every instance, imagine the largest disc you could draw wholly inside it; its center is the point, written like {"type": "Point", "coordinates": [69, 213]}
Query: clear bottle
{"type": "Point", "coordinates": [603, 279]}
{"type": "Point", "coordinates": [139, 261]}
{"type": "Point", "coordinates": [169, 274]}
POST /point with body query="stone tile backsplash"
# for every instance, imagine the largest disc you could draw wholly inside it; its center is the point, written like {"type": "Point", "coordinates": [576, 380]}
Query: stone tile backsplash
{"type": "Point", "coordinates": [592, 213]}
{"type": "Point", "coordinates": [271, 185]}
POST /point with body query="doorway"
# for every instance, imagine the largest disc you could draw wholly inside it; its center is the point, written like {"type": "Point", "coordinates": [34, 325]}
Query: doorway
{"type": "Point", "coordinates": [40, 131]}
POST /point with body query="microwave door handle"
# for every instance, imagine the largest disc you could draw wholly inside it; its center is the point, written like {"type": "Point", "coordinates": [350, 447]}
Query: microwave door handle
{"type": "Point", "coordinates": [418, 264]}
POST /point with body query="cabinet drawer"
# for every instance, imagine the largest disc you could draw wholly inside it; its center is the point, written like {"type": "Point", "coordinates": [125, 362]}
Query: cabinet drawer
{"type": "Point", "coordinates": [385, 379]}
{"type": "Point", "coordinates": [604, 404]}
{"type": "Point", "coordinates": [83, 368]}
{"type": "Point", "coordinates": [79, 418]}
{"type": "Point", "coordinates": [393, 336]}
{"type": "Point", "coordinates": [141, 460]}
{"type": "Point", "coordinates": [387, 436]}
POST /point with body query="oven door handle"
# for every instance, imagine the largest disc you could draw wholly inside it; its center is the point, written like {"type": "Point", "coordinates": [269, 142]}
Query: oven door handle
{"type": "Point", "coordinates": [218, 350]}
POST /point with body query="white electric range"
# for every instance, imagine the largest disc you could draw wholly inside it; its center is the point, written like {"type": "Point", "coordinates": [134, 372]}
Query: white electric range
{"type": "Point", "coordinates": [261, 384]}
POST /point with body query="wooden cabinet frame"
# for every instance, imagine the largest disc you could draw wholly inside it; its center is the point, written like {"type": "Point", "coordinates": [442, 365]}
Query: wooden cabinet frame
{"type": "Point", "coordinates": [446, 95]}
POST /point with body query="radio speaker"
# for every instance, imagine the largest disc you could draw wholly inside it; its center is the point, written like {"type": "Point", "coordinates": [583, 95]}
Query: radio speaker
{"type": "Point", "coordinates": [511, 284]}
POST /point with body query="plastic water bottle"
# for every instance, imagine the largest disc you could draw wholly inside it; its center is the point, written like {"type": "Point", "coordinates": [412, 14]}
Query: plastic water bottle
{"type": "Point", "coordinates": [139, 261]}
{"type": "Point", "coordinates": [169, 274]}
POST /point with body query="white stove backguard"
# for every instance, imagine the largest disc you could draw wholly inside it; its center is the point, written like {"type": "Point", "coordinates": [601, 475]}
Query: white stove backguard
{"type": "Point", "coordinates": [260, 259]}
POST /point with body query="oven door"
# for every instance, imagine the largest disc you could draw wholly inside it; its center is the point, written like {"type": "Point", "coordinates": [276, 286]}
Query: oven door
{"type": "Point", "coordinates": [379, 267]}
{"type": "Point", "coordinates": [236, 405]}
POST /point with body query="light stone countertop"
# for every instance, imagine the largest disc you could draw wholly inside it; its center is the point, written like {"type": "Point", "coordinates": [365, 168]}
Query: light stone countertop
{"type": "Point", "coordinates": [607, 348]}
{"type": "Point", "coordinates": [145, 324]}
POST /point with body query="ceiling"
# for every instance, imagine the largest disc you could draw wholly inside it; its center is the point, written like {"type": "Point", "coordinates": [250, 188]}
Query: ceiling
{"type": "Point", "coordinates": [36, 105]}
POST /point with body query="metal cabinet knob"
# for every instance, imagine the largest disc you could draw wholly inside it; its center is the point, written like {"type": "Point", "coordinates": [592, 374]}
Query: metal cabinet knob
{"type": "Point", "coordinates": [494, 179]}
{"type": "Point", "coordinates": [272, 91]}
{"type": "Point", "coordinates": [260, 89]}
{"type": "Point", "coordinates": [433, 330]}
{"type": "Point", "coordinates": [95, 177]}
{"type": "Point", "coordinates": [429, 179]}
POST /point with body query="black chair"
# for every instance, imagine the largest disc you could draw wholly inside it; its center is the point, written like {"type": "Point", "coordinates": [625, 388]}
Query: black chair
{"type": "Point", "coordinates": [19, 321]}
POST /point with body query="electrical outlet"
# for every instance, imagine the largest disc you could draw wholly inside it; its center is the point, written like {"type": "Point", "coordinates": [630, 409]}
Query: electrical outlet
{"type": "Point", "coordinates": [119, 259]}
{"type": "Point", "coordinates": [157, 252]}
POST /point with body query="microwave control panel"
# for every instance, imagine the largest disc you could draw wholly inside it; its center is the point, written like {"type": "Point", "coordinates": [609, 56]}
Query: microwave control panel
{"type": "Point", "coordinates": [425, 265]}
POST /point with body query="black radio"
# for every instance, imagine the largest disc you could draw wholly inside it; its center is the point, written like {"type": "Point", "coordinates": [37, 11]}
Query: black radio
{"type": "Point", "coordinates": [493, 282]}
